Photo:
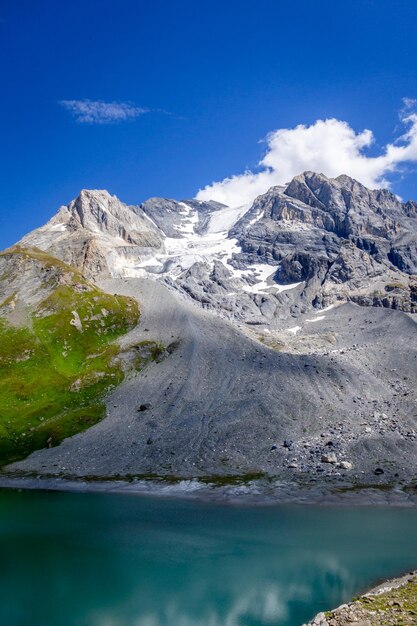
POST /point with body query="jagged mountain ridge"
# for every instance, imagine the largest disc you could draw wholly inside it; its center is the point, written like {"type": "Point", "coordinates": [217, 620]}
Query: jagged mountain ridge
{"type": "Point", "coordinates": [309, 244]}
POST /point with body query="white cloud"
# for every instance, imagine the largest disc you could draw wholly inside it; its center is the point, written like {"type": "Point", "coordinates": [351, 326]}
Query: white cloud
{"type": "Point", "coordinates": [99, 112]}
{"type": "Point", "coordinates": [331, 147]}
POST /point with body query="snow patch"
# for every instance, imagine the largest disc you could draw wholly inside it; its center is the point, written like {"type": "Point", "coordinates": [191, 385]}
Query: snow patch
{"type": "Point", "coordinates": [287, 287]}
{"type": "Point", "coordinates": [222, 221]}
{"type": "Point", "coordinates": [262, 274]}
{"type": "Point", "coordinates": [187, 226]}
{"type": "Point", "coordinates": [258, 278]}
{"type": "Point", "coordinates": [317, 319]}
{"type": "Point", "coordinates": [255, 219]}
{"type": "Point", "coordinates": [294, 330]}
{"type": "Point", "coordinates": [328, 308]}
{"type": "Point", "coordinates": [180, 253]}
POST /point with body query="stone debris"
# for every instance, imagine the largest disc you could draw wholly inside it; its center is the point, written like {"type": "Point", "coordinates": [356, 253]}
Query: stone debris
{"type": "Point", "coordinates": [393, 603]}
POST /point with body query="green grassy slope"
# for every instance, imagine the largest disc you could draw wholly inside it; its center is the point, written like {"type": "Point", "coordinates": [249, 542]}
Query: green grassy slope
{"type": "Point", "coordinates": [55, 373]}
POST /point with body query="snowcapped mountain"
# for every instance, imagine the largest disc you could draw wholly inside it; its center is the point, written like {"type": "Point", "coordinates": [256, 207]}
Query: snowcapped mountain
{"type": "Point", "coordinates": [309, 244]}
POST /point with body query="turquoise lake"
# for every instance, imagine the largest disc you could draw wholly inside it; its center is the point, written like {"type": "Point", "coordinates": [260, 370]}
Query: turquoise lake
{"type": "Point", "coordinates": [69, 559]}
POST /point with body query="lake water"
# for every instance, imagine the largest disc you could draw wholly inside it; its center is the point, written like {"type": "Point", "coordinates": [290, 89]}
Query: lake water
{"type": "Point", "coordinates": [70, 559]}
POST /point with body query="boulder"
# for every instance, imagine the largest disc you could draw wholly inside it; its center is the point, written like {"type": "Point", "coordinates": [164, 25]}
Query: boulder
{"type": "Point", "coordinates": [329, 458]}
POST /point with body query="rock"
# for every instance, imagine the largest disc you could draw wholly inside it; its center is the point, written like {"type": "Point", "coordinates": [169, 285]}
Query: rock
{"type": "Point", "coordinates": [320, 620]}
{"type": "Point", "coordinates": [329, 458]}
{"type": "Point", "coordinates": [293, 465]}
{"type": "Point", "coordinates": [287, 443]}
{"type": "Point", "coordinates": [342, 241]}
{"type": "Point", "coordinates": [378, 471]}
{"type": "Point", "coordinates": [90, 230]}
{"type": "Point", "coordinates": [274, 447]}
{"type": "Point", "coordinates": [346, 465]}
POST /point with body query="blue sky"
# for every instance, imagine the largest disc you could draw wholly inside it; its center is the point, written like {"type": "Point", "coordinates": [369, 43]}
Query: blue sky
{"type": "Point", "coordinates": [197, 85]}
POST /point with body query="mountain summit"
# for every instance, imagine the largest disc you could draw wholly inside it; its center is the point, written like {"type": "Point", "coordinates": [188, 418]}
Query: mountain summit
{"type": "Point", "coordinates": [315, 242]}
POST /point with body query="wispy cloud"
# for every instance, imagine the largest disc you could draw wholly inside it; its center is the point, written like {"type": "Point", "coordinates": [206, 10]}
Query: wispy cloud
{"type": "Point", "coordinates": [331, 147]}
{"type": "Point", "coordinates": [100, 112]}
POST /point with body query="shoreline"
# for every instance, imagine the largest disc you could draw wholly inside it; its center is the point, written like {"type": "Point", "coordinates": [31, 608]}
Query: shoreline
{"type": "Point", "coordinates": [394, 599]}
{"type": "Point", "coordinates": [268, 491]}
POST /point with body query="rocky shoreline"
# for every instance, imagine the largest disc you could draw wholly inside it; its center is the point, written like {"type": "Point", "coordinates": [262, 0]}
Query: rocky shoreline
{"type": "Point", "coordinates": [233, 490]}
{"type": "Point", "coordinates": [394, 602]}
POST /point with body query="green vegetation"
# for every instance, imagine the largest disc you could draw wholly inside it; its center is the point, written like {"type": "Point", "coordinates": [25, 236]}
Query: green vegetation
{"type": "Point", "coordinates": [53, 376]}
{"type": "Point", "coordinates": [226, 480]}
{"type": "Point", "coordinates": [395, 285]}
{"type": "Point", "coordinates": [398, 606]}
{"type": "Point", "coordinates": [148, 351]}
{"type": "Point", "coordinates": [8, 300]}
{"type": "Point", "coordinates": [356, 487]}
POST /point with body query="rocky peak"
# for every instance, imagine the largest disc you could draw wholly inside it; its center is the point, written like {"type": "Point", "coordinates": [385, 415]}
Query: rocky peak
{"type": "Point", "coordinates": [321, 192]}
{"type": "Point", "coordinates": [99, 212]}
{"type": "Point", "coordinates": [341, 205]}
{"type": "Point", "coordinates": [309, 243]}
{"type": "Point", "coordinates": [92, 206]}
{"type": "Point", "coordinates": [98, 234]}
{"type": "Point", "coordinates": [338, 237]}
{"type": "Point", "coordinates": [306, 187]}
{"type": "Point", "coordinates": [342, 193]}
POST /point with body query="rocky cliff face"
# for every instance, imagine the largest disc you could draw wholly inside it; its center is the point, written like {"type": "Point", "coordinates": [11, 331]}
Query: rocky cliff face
{"type": "Point", "coordinates": [98, 234]}
{"type": "Point", "coordinates": [307, 245]}
{"type": "Point", "coordinates": [343, 241]}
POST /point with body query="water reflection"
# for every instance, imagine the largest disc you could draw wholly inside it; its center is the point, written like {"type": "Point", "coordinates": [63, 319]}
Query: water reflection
{"type": "Point", "coordinates": [232, 600]}
{"type": "Point", "coordinates": [104, 560]}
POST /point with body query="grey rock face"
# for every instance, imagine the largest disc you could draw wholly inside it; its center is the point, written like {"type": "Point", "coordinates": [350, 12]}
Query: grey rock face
{"type": "Point", "coordinates": [344, 241]}
{"type": "Point", "coordinates": [166, 214]}
{"type": "Point", "coordinates": [305, 246]}
{"type": "Point", "coordinates": [171, 216]}
{"type": "Point", "coordinates": [97, 234]}
{"type": "Point", "coordinates": [28, 277]}
{"type": "Point", "coordinates": [26, 280]}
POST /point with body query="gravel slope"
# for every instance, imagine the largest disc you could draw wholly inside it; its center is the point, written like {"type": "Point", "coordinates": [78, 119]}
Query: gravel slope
{"type": "Point", "coordinates": [223, 403]}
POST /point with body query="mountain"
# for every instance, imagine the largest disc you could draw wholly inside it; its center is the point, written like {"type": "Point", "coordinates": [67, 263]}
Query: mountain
{"type": "Point", "coordinates": [313, 243]}
{"type": "Point", "coordinates": [277, 337]}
